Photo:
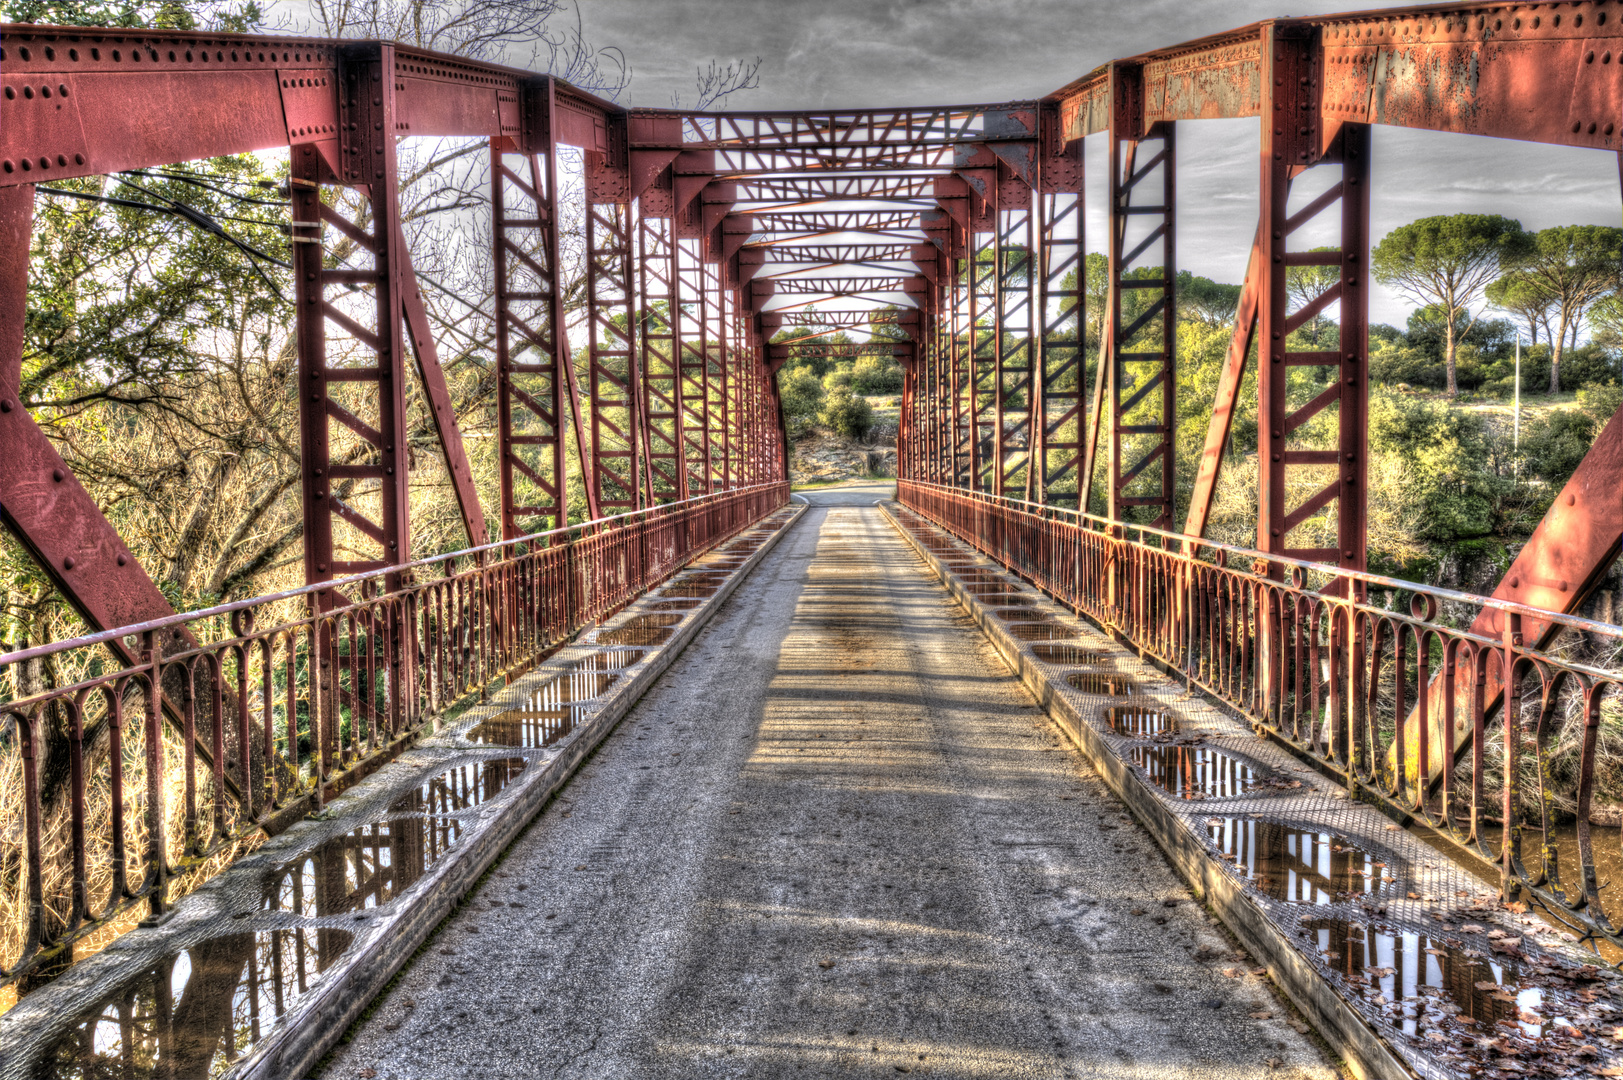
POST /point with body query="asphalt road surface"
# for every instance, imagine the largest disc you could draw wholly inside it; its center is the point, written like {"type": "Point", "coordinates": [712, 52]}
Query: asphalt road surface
{"type": "Point", "coordinates": [838, 838]}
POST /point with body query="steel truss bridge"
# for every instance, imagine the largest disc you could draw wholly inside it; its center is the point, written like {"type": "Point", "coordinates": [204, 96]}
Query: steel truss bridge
{"type": "Point", "coordinates": [717, 245]}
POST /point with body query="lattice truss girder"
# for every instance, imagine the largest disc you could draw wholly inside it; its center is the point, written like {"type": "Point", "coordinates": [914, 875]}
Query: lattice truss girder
{"type": "Point", "coordinates": [738, 226]}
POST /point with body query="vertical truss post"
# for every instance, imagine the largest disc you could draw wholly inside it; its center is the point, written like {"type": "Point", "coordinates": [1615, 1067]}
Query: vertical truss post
{"type": "Point", "coordinates": [1335, 377]}
{"type": "Point", "coordinates": [662, 381]}
{"type": "Point", "coordinates": [985, 346]}
{"type": "Point", "coordinates": [1142, 309]}
{"type": "Point", "coordinates": [612, 382]}
{"type": "Point", "coordinates": [726, 382]}
{"type": "Point", "coordinates": [354, 486]}
{"type": "Point", "coordinates": [1016, 326]}
{"type": "Point", "coordinates": [1059, 345]}
{"type": "Point", "coordinates": [532, 353]}
{"type": "Point", "coordinates": [963, 401]}
{"type": "Point", "coordinates": [691, 329]}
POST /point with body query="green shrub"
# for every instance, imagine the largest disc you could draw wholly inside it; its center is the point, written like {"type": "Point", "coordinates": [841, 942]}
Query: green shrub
{"type": "Point", "coordinates": [1444, 453]}
{"type": "Point", "coordinates": [837, 379]}
{"type": "Point", "coordinates": [846, 413]}
{"type": "Point", "coordinates": [802, 395]}
{"type": "Point", "coordinates": [876, 375]}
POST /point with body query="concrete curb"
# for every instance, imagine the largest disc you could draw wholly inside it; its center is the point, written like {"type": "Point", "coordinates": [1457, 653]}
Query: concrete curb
{"type": "Point", "coordinates": [1361, 1047]}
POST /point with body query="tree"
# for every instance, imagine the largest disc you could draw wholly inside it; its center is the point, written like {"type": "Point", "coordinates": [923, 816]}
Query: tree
{"type": "Point", "coordinates": [1572, 266]}
{"type": "Point", "coordinates": [1206, 301]}
{"type": "Point", "coordinates": [1305, 284]}
{"type": "Point", "coordinates": [1523, 299]}
{"type": "Point", "coordinates": [801, 392]}
{"type": "Point", "coordinates": [1448, 261]}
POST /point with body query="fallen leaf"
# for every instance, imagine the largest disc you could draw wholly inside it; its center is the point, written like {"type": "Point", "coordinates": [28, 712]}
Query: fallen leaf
{"type": "Point", "coordinates": [1262, 1016]}
{"type": "Point", "coordinates": [367, 1074]}
{"type": "Point", "coordinates": [1299, 1026]}
{"type": "Point", "coordinates": [825, 964]}
{"type": "Point", "coordinates": [1233, 973]}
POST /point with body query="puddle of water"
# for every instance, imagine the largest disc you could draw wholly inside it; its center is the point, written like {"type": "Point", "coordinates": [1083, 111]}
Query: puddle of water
{"type": "Point", "coordinates": [1139, 722]}
{"type": "Point", "coordinates": [1042, 632]}
{"type": "Point", "coordinates": [1092, 682]}
{"type": "Point", "coordinates": [1297, 865]}
{"type": "Point", "coordinates": [532, 730]}
{"type": "Point", "coordinates": [1423, 984]}
{"type": "Point", "coordinates": [553, 709]}
{"type": "Point", "coordinates": [1195, 772]}
{"type": "Point", "coordinates": [1010, 599]}
{"type": "Point", "coordinates": [1066, 654]}
{"type": "Point", "coordinates": [194, 1012]}
{"type": "Point", "coordinates": [363, 868]}
{"type": "Point", "coordinates": [1019, 614]}
{"type": "Point", "coordinates": [572, 687]}
{"type": "Point", "coordinates": [460, 787]}
{"type": "Point", "coordinates": [606, 660]}
{"type": "Point", "coordinates": [644, 631]}
{"type": "Point", "coordinates": [688, 589]}
{"type": "Point", "coordinates": [989, 592]}
{"type": "Point", "coordinates": [684, 604]}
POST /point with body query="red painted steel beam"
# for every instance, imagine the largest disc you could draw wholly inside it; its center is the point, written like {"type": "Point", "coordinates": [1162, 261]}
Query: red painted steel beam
{"type": "Point", "coordinates": [83, 101]}
{"type": "Point", "coordinates": [1512, 72]}
{"type": "Point", "coordinates": [439, 399]}
{"type": "Point", "coordinates": [1227, 396]}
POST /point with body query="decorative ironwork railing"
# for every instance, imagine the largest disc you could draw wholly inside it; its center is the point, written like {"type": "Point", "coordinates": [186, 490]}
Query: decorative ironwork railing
{"type": "Point", "coordinates": [266, 707]}
{"type": "Point", "coordinates": [1405, 709]}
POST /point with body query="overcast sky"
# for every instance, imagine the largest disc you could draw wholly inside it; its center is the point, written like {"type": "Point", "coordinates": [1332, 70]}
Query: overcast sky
{"type": "Point", "coordinates": [820, 54]}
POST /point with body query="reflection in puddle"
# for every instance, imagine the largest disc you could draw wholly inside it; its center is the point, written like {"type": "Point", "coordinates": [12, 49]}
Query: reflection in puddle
{"type": "Point", "coordinates": [360, 869]}
{"type": "Point", "coordinates": [1133, 721]}
{"type": "Point", "coordinates": [1042, 632]}
{"type": "Point", "coordinates": [194, 1012]}
{"type": "Point", "coordinates": [1422, 984]}
{"type": "Point", "coordinates": [683, 604]}
{"type": "Point", "coordinates": [688, 589]}
{"type": "Point", "coordinates": [1297, 865]}
{"type": "Point", "coordinates": [460, 787]}
{"type": "Point", "coordinates": [1195, 772]}
{"type": "Point", "coordinates": [550, 711]}
{"type": "Point", "coordinates": [605, 660]}
{"type": "Point", "coordinates": [1066, 654]}
{"type": "Point", "coordinates": [987, 590]}
{"type": "Point", "coordinates": [1092, 682]}
{"type": "Point", "coordinates": [1019, 614]}
{"type": "Point", "coordinates": [643, 631]}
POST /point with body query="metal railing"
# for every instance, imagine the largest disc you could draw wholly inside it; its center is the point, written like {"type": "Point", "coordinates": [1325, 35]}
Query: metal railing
{"type": "Point", "coordinates": [1404, 708]}
{"type": "Point", "coordinates": [267, 706]}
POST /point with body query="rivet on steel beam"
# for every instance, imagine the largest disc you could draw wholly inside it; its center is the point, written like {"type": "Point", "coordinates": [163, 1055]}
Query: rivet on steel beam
{"type": "Point", "coordinates": [122, 558]}
{"type": "Point", "coordinates": [1514, 583]}
{"type": "Point", "coordinates": [56, 474]}
{"type": "Point", "coordinates": [5, 406]}
{"type": "Point", "coordinates": [67, 563]}
{"type": "Point", "coordinates": [1571, 499]}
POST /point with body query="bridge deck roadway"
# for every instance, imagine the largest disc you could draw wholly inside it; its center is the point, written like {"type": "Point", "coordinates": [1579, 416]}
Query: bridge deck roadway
{"type": "Point", "coordinates": [837, 838]}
